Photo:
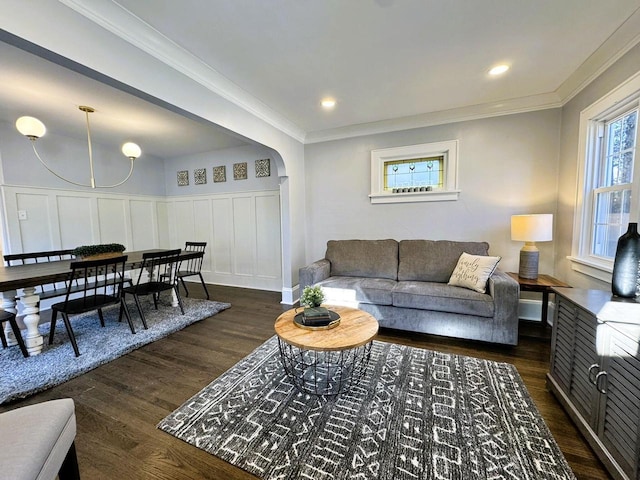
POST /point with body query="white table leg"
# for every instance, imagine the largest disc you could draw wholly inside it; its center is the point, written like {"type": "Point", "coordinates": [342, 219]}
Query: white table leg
{"type": "Point", "coordinates": [149, 276]}
{"type": "Point", "coordinates": [9, 305]}
{"type": "Point", "coordinates": [146, 275]}
{"type": "Point", "coordinates": [33, 340]}
{"type": "Point", "coordinates": [154, 276]}
{"type": "Point", "coordinates": [174, 299]}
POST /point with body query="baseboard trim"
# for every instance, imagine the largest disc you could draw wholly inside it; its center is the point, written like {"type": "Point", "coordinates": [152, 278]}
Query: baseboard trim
{"type": "Point", "coordinates": [531, 310]}
{"type": "Point", "coordinates": [290, 296]}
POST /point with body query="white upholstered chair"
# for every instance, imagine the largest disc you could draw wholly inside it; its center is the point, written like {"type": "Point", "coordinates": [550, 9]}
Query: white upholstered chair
{"type": "Point", "coordinates": [38, 442]}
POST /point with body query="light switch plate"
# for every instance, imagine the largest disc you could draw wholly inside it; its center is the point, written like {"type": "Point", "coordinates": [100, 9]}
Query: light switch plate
{"type": "Point", "coordinates": [22, 214]}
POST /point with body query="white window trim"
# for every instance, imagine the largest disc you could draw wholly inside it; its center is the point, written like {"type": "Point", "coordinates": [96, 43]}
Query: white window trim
{"type": "Point", "coordinates": [450, 192]}
{"type": "Point", "coordinates": [590, 118]}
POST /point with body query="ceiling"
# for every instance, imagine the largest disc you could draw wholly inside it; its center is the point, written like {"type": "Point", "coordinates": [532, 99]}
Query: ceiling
{"type": "Point", "coordinates": [389, 63]}
{"type": "Point", "coordinates": [52, 93]}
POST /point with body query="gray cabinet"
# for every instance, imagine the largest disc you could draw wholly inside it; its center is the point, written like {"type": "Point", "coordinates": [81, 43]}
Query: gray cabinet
{"type": "Point", "coordinates": [595, 373]}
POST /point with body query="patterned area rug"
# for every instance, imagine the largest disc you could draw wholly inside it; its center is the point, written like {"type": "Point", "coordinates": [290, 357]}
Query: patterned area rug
{"type": "Point", "coordinates": [416, 414]}
{"type": "Point", "coordinates": [57, 363]}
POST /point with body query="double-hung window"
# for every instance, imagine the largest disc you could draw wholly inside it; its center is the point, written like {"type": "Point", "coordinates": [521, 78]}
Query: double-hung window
{"type": "Point", "coordinates": [612, 193]}
{"type": "Point", "coordinates": [609, 178]}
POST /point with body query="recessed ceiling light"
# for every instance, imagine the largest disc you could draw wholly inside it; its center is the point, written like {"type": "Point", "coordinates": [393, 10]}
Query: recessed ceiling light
{"type": "Point", "coordinates": [328, 103]}
{"type": "Point", "coordinates": [499, 69]}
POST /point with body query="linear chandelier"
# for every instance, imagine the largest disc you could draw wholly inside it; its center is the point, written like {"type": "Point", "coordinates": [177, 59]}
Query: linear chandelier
{"type": "Point", "coordinates": [32, 128]}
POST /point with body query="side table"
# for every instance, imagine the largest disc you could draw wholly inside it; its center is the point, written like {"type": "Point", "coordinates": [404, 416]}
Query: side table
{"type": "Point", "coordinates": [543, 284]}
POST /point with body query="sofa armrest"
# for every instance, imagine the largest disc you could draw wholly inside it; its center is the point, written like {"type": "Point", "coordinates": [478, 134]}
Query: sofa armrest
{"type": "Point", "coordinates": [506, 297]}
{"type": "Point", "coordinates": [501, 284]}
{"type": "Point", "coordinates": [314, 273]}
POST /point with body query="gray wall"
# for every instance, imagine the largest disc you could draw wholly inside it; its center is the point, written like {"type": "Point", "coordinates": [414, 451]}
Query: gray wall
{"type": "Point", "coordinates": [507, 165]}
{"type": "Point", "coordinates": [69, 156]}
{"type": "Point", "coordinates": [226, 157]}
{"type": "Point", "coordinates": [152, 175]}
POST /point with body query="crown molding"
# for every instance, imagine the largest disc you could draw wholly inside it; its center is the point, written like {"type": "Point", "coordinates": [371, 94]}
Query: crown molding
{"type": "Point", "coordinates": [495, 109]}
{"type": "Point", "coordinates": [612, 49]}
{"type": "Point", "coordinates": [122, 23]}
{"type": "Point", "coordinates": [619, 43]}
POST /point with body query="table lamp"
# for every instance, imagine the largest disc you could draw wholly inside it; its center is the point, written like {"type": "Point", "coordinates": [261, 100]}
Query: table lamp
{"type": "Point", "coordinates": [531, 229]}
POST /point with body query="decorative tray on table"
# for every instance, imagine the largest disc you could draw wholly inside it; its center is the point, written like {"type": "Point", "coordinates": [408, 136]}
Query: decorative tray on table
{"type": "Point", "coordinates": [317, 318]}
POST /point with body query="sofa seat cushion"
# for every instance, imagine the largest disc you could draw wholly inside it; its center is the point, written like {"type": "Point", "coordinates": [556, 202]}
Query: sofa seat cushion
{"type": "Point", "coordinates": [433, 260]}
{"type": "Point", "coordinates": [363, 258]}
{"type": "Point", "coordinates": [341, 290]}
{"type": "Point", "coordinates": [442, 298]}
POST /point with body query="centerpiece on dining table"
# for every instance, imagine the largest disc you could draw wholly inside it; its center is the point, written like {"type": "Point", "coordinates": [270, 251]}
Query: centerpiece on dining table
{"type": "Point", "coordinates": [99, 251]}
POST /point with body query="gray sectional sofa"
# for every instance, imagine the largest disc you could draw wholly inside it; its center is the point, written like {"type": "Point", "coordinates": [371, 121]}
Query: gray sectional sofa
{"type": "Point", "coordinates": [404, 284]}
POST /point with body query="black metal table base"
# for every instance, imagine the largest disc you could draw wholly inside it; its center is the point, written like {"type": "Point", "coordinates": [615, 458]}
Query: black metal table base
{"type": "Point", "coordinates": [324, 372]}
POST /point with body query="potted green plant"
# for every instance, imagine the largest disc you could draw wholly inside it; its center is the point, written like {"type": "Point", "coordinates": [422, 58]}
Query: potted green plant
{"type": "Point", "coordinates": [102, 250]}
{"type": "Point", "coordinates": [312, 296]}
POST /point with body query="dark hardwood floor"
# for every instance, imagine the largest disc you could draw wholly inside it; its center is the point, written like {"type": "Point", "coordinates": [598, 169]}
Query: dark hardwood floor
{"type": "Point", "coordinates": [119, 404]}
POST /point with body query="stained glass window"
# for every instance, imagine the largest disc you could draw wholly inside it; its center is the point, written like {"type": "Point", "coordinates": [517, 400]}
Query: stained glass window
{"type": "Point", "coordinates": [417, 173]}
{"type": "Point", "coordinates": [426, 172]}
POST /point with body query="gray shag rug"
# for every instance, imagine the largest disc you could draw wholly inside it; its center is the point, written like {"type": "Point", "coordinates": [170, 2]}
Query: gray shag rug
{"type": "Point", "coordinates": [57, 363]}
{"type": "Point", "coordinates": [416, 414]}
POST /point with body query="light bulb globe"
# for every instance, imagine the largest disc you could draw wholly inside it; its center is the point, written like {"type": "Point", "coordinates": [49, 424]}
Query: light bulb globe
{"type": "Point", "coordinates": [31, 127]}
{"type": "Point", "coordinates": [131, 150]}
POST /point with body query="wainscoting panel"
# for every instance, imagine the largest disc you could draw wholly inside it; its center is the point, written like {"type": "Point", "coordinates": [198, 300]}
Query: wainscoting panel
{"type": "Point", "coordinates": [184, 217]}
{"type": "Point", "coordinates": [222, 242]}
{"type": "Point", "coordinates": [74, 223]}
{"type": "Point", "coordinates": [268, 233]}
{"type": "Point", "coordinates": [242, 230]}
{"type": "Point", "coordinates": [36, 225]}
{"type": "Point", "coordinates": [243, 236]}
{"type": "Point", "coordinates": [112, 220]}
{"type": "Point", "coordinates": [76, 218]}
{"type": "Point", "coordinates": [144, 231]}
{"type": "Point", "coordinates": [164, 231]}
{"type": "Point", "coordinates": [202, 230]}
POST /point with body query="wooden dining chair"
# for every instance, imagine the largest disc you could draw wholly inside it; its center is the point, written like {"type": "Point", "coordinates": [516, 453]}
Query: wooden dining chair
{"type": "Point", "coordinates": [161, 269]}
{"type": "Point", "coordinates": [11, 318]}
{"type": "Point", "coordinates": [94, 284]}
{"type": "Point", "coordinates": [193, 266]}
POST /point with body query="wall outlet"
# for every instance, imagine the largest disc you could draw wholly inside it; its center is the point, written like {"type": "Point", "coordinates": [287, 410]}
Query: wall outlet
{"type": "Point", "coordinates": [22, 214]}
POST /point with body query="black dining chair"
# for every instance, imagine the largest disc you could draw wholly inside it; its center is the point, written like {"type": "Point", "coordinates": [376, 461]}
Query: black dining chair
{"type": "Point", "coordinates": [161, 268]}
{"type": "Point", "coordinates": [193, 266]}
{"type": "Point", "coordinates": [93, 285]}
{"type": "Point", "coordinates": [11, 318]}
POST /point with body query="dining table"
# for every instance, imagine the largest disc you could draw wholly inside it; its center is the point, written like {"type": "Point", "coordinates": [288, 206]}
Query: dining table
{"type": "Point", "coordinates": [18, 283]}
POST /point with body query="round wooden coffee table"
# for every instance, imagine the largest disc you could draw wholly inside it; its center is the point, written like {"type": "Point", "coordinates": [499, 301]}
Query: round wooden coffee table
{"type": "Point", "coordinates": [326, 361]}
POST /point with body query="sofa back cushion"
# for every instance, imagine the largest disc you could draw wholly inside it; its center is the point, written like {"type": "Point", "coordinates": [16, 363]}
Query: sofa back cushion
{"type": "Point", "coordinates": [433, 260]}
{"type": "Point", "coordinates": [363, 258]}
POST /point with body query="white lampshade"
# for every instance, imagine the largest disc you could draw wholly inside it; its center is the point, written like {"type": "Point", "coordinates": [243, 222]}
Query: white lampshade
{"type": "Point", "coordinates": [131, 150]}
{"type": "Point", "coordinates": [30, 127]}
{"type": "Point", "coordinates": [532, 228]}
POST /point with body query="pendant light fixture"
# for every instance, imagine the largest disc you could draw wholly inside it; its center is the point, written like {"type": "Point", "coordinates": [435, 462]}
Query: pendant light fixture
{"type": "Point", "coordinates": [32, 128]}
